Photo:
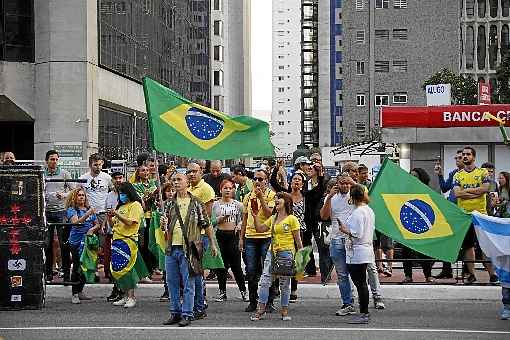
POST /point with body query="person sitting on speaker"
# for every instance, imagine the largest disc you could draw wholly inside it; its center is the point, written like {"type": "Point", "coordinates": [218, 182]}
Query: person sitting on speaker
{"type": "Point", "coordinates": [79, 211]}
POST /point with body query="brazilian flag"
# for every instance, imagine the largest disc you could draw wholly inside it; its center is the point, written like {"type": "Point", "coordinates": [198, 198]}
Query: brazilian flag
{"type": "Point", "coordinates": [88, 258]}
{"type": "Point", "coordinates": [416, 216]}
{"type": "Point", "coordinates": [157, 240]}
{"type": "Point", "coordinates": [181, 127]}
{"type": "Point", "coordinates": [127, 265]}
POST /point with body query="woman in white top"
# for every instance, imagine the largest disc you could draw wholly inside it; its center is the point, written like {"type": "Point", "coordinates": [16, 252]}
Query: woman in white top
{"type": "Point", "coordinates": [359, 250]}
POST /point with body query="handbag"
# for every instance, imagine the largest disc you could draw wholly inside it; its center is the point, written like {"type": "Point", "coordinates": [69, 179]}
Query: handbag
{"type": "Point", "coordinates": [195, 249]}
{"type": "Point", "coordinates": [325, 232]}
{"type": "Point", "coordinates": [280, 265]}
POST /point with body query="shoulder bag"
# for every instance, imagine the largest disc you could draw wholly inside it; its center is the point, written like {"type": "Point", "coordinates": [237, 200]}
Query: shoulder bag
{"type": "Point", "coordinates": [280, 265]}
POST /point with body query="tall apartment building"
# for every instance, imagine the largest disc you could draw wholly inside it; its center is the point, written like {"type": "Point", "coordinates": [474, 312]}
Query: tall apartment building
{"type": "Point", "coordinates": [390, 48]}
{"type": "Point", "coordinates": [230, 56]}
{"type": "Point", "coordinates": [286, 75]}
{"type": "Point", "coordinates": [484, 36]}
{"type": "Point", "coordinates": [330, 41]}
{"type": "Point", "coordinates": [71, 71]}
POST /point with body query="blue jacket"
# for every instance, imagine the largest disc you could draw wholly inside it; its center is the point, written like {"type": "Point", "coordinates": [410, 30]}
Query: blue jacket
{"type": "Point", "coordinates": [448, 185]}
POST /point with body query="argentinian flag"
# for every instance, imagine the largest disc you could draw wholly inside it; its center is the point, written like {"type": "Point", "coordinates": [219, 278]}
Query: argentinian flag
{"type": "Point", "coordinates": [494, 239]}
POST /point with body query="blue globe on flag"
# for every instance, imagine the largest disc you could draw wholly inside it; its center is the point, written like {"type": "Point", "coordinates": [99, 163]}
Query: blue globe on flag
{"type": "Point", "coordinates": [121, 253]}
{"type": "Point", "coordinates": [202, 125]}
{"type": "Point", "coordinates": [417, 216]}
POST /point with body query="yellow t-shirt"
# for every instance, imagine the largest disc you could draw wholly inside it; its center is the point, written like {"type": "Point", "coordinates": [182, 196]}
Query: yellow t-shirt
{"type": "Point", "coordinates": [203, 191]}
{"type": "Point", "coordinates": [132, 211]}
{"type": "Point", "coordinates": [269, 197]}
{"type": "Point", "coordinates": [283, 238]}
{"type": "Point", "coordinates": [177, 239]}
{"type": "Point", "coordinates": [472, 179]}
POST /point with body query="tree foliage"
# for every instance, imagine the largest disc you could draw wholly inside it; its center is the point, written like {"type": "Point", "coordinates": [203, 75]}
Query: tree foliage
{"type": "Point", "coordinates": [464, 89]}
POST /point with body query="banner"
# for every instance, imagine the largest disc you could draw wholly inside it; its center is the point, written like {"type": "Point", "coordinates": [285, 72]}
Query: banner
{"type": "Point", "coordinates": [444, 116]}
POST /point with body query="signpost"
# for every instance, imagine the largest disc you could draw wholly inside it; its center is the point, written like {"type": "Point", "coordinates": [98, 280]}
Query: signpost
{"type": "Point", "coordinates": [439, 94]}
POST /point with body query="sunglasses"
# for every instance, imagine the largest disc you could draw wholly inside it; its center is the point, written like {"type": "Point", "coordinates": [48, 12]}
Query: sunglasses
{"type": "Point", "coordinates": [259, 179]}
{"type": "Point", "coordinates": [466, 154]}
{"type": "Point", "coordinates": [80, 195]}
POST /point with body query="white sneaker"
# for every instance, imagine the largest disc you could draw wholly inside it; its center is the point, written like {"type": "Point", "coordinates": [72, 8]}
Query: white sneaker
{"type": "Point", "coordinates": [145, 280]}
{"type": "Point", "coordinates": [75, 299]}
{"type": "Point", "coordinates": [130, 303]}
{"type": "Point", "coordinates": [345, 310]}
{"type": "Point", "coordinates": [120, 302]}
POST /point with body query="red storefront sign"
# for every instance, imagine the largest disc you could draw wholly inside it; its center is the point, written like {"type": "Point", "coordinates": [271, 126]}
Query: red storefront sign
{"type": "Point", "coordinates": [484, 93]}
{"type": "Point", "coordinates": [443, 116]}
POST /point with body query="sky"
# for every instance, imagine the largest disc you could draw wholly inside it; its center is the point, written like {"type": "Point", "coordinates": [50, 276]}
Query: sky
{"type": "Point", "coordinates": [261, 58]}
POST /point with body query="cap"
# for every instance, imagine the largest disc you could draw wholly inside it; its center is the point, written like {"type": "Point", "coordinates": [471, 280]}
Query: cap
{"type": "Point", "coordinates": [301, 160]}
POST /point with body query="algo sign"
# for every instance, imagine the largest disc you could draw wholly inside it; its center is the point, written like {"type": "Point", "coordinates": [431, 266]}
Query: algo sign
{"type": "Point", "coordinates": [443, 116]}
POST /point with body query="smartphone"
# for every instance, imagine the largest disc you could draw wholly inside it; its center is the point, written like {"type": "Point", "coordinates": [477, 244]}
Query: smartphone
{"type": "Point", "coordinates": [254, 205]}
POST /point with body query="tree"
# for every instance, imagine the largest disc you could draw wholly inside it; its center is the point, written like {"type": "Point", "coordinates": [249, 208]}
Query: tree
{"type": "Point", "coordinates": [464, 90]}
{"type": "Point", "coordinates": [501, 94]}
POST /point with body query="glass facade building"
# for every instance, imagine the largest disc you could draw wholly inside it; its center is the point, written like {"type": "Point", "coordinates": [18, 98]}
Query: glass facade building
{"type": "Point", "coordinates": [17, 30]}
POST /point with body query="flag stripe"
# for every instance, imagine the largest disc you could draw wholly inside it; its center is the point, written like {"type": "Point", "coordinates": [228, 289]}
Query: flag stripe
{"type": "Point", "coordinates": [490, 225]}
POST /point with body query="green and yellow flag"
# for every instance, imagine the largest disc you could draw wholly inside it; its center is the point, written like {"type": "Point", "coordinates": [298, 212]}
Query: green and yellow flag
{"type": "Point", "coordinates": [157, 241]}
{"type": "Point", "coordinates": [88, 258]}
{"type": "Point", "coordinates": [181, 127]}
{"type": "Point", "coordinates": [416, 216]}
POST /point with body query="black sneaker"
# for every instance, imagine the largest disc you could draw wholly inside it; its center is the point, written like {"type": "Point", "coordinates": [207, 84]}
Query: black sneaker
{"type": "Point", "coordinates": [174, 319]}
{"type": "Point", "coordinates": [293, 298]}
{"type": "Point", "coordinates": [114, 295]}
{"type": "Point", "coordinates": [211, 276]}
{"type": "Point", "coordinates": [186, 321]}
{"type": "Point", "coordinates": [200, 315]}
{"type": "Point", "coordinates": [252, 307]}
{"type": "Point", "coordinates": [470, 279]}
{"type": "Point", "coordinates": [164, 296]}
{"type": "Point", "coordinates": [444, 275]}
{"type": "Point", "coordinates": [222, 296]}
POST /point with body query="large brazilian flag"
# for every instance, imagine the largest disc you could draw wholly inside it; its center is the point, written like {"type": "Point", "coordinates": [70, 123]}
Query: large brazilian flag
{"type": "Point", "coordinates": [181, 127]}
{"type": "Point", "coordinates": [157, 240]}
{"type": "Point", "coordinates": [416, 216]}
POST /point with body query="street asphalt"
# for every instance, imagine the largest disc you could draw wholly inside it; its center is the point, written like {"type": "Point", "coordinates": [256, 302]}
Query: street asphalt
{"type": "Point", "coordinates": [422, 312]}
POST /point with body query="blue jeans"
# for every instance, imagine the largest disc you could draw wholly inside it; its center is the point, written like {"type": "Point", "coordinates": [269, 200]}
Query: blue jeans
{"type": "Point", "coordinates": [505, 292]}
{"type": "Point", "coordinates": [256, 249]}
{"type": "Point", "coordinates": [337, 253]}
{"type": "Point", "coordinates": [177, 270]}
{"type": "Point", "coordinates": [199, 303]}
{"type": "Point", "coordinates": [266, 280]}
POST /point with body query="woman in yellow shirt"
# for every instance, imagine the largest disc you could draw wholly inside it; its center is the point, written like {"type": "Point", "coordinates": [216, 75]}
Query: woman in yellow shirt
{"type": "Point", "coordinates": [284, 238]}
{"type": "Point", "coordinates": [127, 265]}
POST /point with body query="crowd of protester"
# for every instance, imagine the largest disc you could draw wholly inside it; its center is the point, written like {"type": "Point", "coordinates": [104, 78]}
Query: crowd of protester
{"type": "Point", "coordinates": [248, 217]}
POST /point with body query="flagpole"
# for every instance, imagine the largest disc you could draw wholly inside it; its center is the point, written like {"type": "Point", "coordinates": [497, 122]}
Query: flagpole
{"type": "Point", "coordinates": [160, 194]}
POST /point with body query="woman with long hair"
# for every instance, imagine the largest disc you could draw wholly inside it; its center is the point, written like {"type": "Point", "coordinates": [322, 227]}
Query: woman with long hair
{"type": "Point", "coordinates": [227, 217]}
{"type": "Point", "coordinates": [359, 229]}
{"type": "Point", "coordinates": [503, 199]}
{"type": "Point", "coordinates": [285, 241]}
{"type": "Point", "coordinates": [126, 223]}
{"type": "Point", "coordinates": [79, 211]}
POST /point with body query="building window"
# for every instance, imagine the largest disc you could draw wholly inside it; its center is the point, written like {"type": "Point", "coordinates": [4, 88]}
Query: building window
{"type": "Point", "coordinates": [218, 103]}
{"type": "Point", "coordinates": [399, 65]}
{"type": "Point", "coordinates": [382, 100]}
{"type": "Point", "coordinates": [17, 30]}
{"type": "Point", "coordinates": [218, 28]}
{"type": "Point", "coordinates": [379, 4]}
{"type": "Point", "coordinates": [400, 98]}
{"type": "Point", "coordinates": [217, 5]}
{"type": "Point", "coordinates": [218, 53]}
{"type": "Point", "coordinates": [281, 67]}
{"type": "Point", "coordinates": [281, 89]}
{"type": "Point", "coordinates": [493, 46]}
{"type": "Point", "coordinates": [360, 5]}
{"type": "Point", "coordinates": [493, 8]}
{"type": "Point", "coordinates": [360, 67]}
{"type": "Point", "coordinates": [360, 129]}
{"type": "Point", "coordinates": [281, 57]}
{"type": "Point", "coordinates": [481, 48]}
{"type": "Point", "coordinates": [360, 99]}
{"type": "Point", "coordinates": [382, 66]}
{"type": "Point", "coordinates": [505, 39]}
{"type": "Point", "coordinates": [281, 123]}
{"type": "Point", "coordinates": [218, 78]}
{"type": "Point", "coordinates": [470, 8]}
{"type": "Point", "coordinates": [505, 8]}
{"type": "Point", "coordinates": [382, 34]}
{"type": "Point", "coordinates": [280, 112]}
{"type": "Point", "coordinates": [470, 47]}
{"type": "Point", "coordinates": [400, 4]}
{"type": "Point", "coordinates": [360, 36]}
{"type": "Point", "coordinates": [281, 78]}
{"type": "Point", "coordinates": [481, 8]}
{"type": "Point", "coordinates": [400, 34]}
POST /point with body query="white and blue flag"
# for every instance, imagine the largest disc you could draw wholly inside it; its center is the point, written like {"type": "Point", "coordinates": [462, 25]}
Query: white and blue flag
{"type": "Point", "coordinates": [494, 238]}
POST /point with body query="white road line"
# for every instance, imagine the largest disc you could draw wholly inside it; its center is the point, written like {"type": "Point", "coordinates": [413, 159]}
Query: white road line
{"type": "Point", "coordinates": [192, 328]}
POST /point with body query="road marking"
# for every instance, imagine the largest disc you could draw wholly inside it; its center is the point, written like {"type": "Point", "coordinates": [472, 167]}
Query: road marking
{"type": "Point", "coordinates": [192, 328]}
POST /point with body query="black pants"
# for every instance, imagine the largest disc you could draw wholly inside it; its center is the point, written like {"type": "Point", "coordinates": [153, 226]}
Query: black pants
{"type": "Point", "coordinates": [63, 237]}
{"type": "Point", "coordinates": [358, 274]}
{"type": "Point", "coordinates": [148, 257]}
{"type": "Point", "coordinates": [77, 275]}
{"type": "Point", "coordinates": [306, 236]}
{"type": "Point", "coordinates": [228, 242]}
{"type": "Point", "coordinates": [408, 253]}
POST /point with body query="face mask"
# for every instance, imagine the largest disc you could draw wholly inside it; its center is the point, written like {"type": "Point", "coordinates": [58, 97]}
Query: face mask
{"type": "Point", "coordinates": [123, 198]}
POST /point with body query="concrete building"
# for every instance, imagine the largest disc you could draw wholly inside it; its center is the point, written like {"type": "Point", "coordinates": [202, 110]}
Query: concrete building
{"type": "Point", "coordinates": [230, 56]}
{"type": "Point", "coordinates": [71, 70]}
{"type": "Point", "coordinates": [286, 75]}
